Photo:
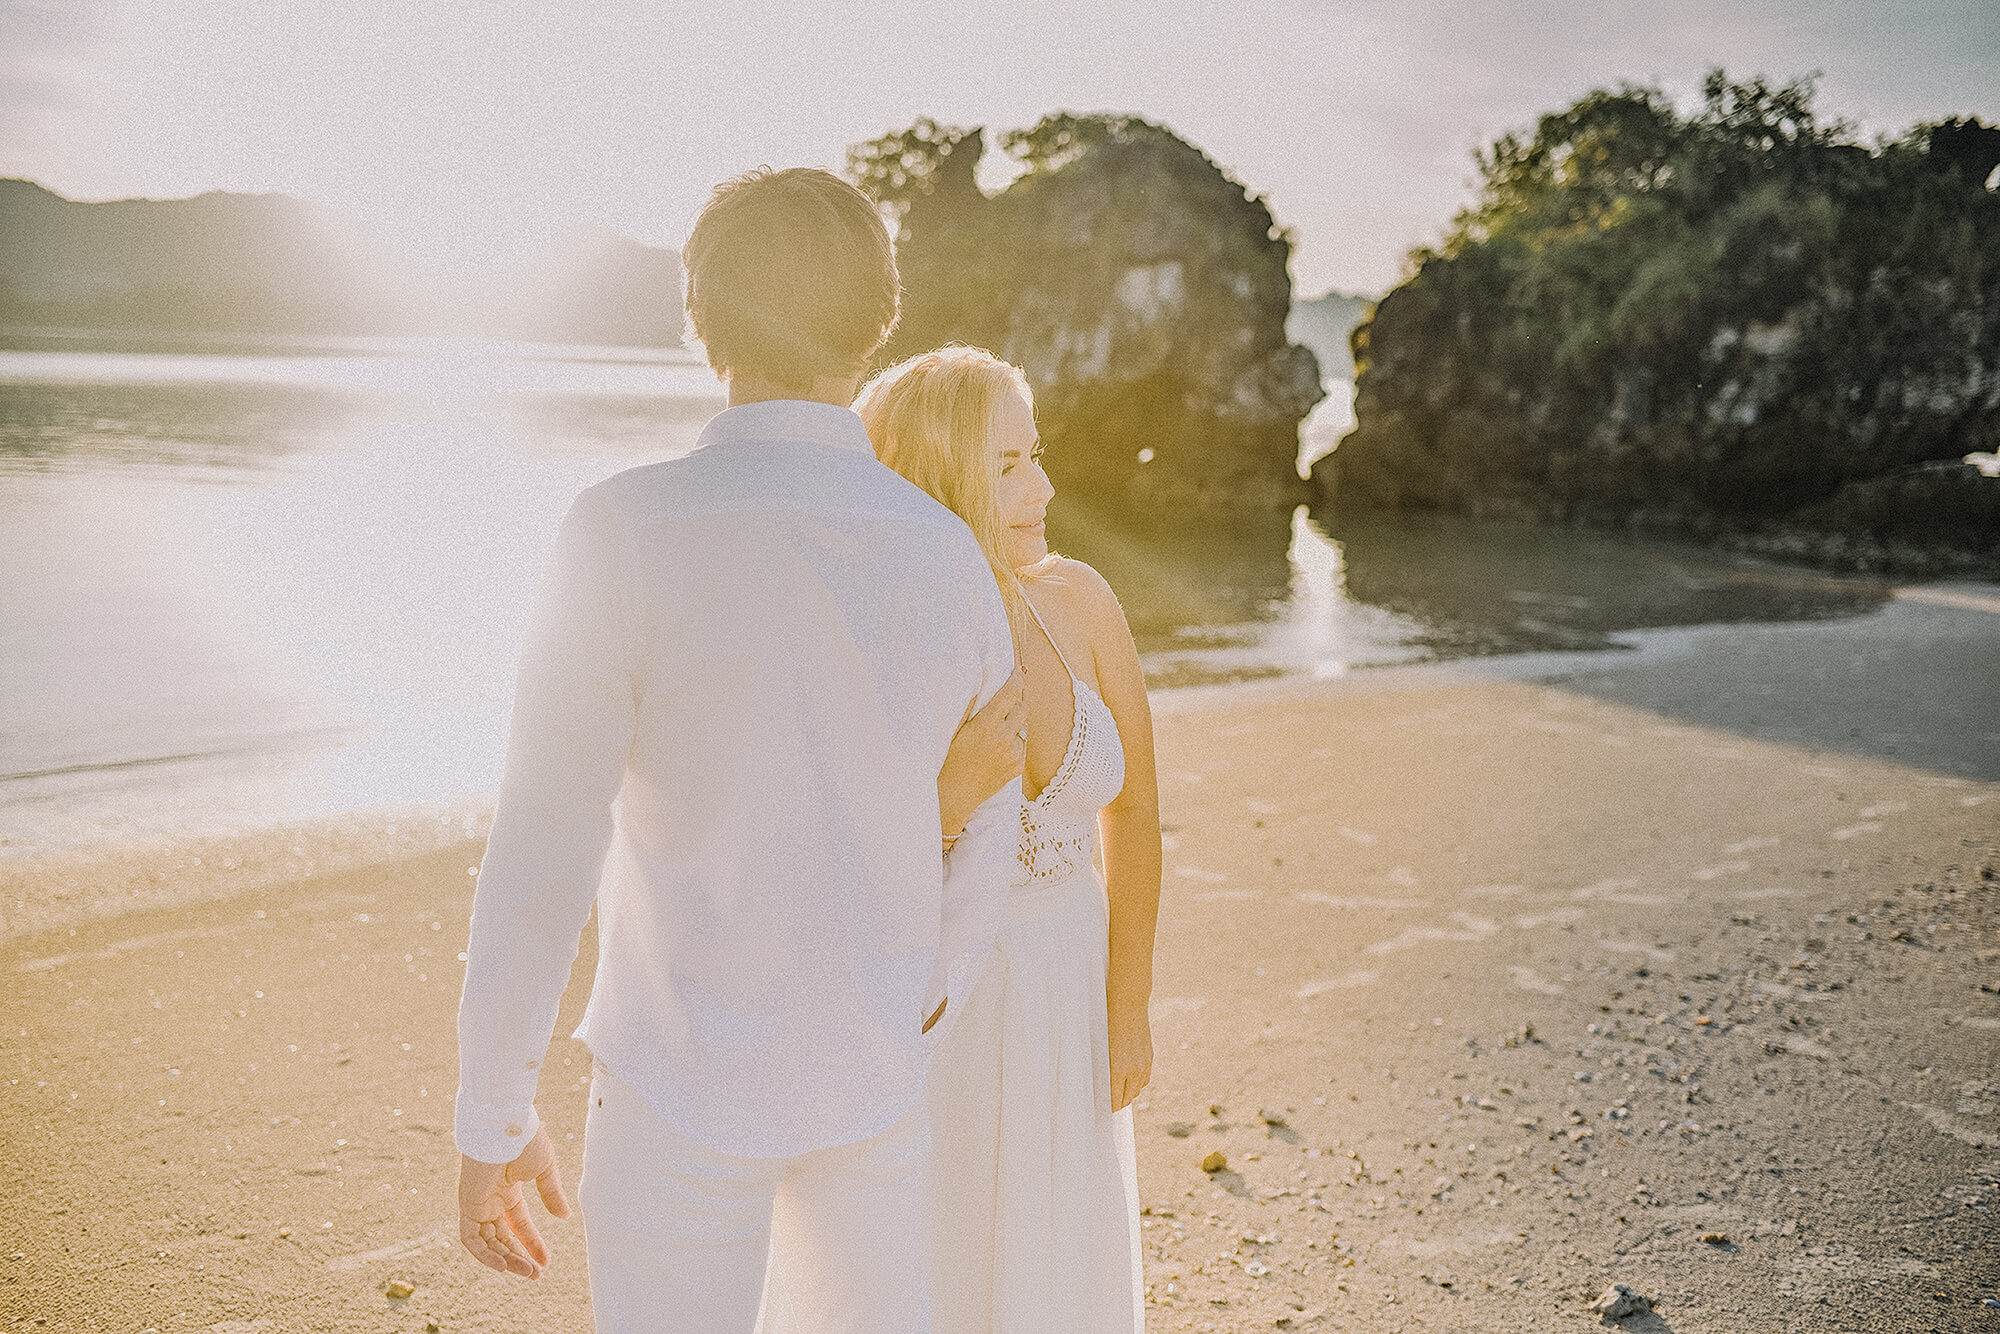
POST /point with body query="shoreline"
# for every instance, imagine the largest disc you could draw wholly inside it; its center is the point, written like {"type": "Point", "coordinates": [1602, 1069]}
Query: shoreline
{"type": "Point", "coordinates": [65, 888]}
{"type": "Point", "coordinates": [58, 888]}
{"type": "Point", "coordinates": [46, 890]}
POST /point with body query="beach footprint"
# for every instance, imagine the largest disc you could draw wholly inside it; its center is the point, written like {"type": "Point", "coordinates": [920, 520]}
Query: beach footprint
{"type": "Point", "coordinates": [1559, 917]}
{"type": "Point", "coordinates": [1653, 952]}
{"type": "Point", "coordinates": [1620, 890]}
{"type": "Point", "coordinates": [1360, 977]}
{"type": "Point", "coordinates": [1352, 900]}
{"type": "Point", "coordinates": [1471, 929]}
{"type": "Point", "coordinates": [1527, 979]}
{"type": "Point", "coordinates": [1601, 888]}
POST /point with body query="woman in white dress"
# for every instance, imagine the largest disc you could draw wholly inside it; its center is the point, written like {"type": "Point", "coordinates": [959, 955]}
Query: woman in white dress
{"type": "Point", "coordinates": [1035, 1197]}
{"type": "Point", "coordinates": [1034, 1204]}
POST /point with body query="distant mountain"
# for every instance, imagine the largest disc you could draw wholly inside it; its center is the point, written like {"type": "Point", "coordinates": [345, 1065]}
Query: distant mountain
{"type": "Point", "coordinates": [269, 264]}
{"type": "Point", "coordinates": [1323, 323]}
{"type": "Point", "coordinates": [593, 287]}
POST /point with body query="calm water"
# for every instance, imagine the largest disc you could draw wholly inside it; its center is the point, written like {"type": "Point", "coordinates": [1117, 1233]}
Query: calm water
{"type": "Point", "coordinates": [238, 587]}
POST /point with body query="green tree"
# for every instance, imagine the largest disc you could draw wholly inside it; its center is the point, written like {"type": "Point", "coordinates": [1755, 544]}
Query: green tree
{"type": "Point", "coordinates": [1704, 318]}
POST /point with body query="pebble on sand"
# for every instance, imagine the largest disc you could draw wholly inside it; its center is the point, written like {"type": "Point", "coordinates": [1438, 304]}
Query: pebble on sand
{"type": "Point", "coordinates": [1620, 1301]}
{"type": "Point", "coordinates": [398, 1289]}
{"type": "Point", "coordinates": [1214, 1161]}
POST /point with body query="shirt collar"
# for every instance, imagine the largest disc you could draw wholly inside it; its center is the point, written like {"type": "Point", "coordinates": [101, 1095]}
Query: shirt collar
{"type": "Point", "coordinates": [788, 419]}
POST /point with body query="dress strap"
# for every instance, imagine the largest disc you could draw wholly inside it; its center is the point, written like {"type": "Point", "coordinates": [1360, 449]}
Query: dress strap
{"type": "Point", "coordinates": [1046, 635]}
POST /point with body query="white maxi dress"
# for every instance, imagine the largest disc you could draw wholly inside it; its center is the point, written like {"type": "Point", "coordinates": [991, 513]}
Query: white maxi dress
{"type": "Point", "coordinates": [1034, 1201]}
{"type": "Point", "coordinates": [1035, 1191]}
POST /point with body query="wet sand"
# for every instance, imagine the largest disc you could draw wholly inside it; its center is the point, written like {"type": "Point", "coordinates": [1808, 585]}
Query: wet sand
{"type": "Point", "coordinates": [1494, 985]}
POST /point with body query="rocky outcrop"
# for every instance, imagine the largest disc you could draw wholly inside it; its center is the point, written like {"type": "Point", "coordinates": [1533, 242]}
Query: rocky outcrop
{"type": "Point", "coordinates": [1939, 517]}
{"type": "Point", "coordinates": [1141, 288]}
{"type": "Point", "coordinates": [1738, 326]}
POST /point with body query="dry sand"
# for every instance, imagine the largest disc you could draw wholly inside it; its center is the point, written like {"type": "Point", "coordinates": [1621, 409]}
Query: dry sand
{"type": "Point", "coordinates": [1493, 986]}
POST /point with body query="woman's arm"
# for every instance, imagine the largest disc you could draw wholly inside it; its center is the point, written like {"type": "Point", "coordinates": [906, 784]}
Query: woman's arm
{"type": "Point", "coordinates": [1130, 829]}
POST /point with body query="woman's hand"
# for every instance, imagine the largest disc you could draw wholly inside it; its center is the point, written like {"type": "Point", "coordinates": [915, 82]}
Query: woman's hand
{"type": "Point", "coordinates": [1131, 1052]}
{"type": "Point", "coordinates": [986, 753]}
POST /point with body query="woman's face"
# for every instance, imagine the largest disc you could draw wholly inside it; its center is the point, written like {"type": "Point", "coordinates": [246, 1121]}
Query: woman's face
{"type": "Point", "coordinates": [1024, 488]}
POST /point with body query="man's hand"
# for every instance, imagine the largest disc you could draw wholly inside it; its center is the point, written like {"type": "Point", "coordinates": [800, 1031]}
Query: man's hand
{"type": "Point", "coordinates": [493, 1220]}
{"type": "Point", "coordinates": [984, 756]}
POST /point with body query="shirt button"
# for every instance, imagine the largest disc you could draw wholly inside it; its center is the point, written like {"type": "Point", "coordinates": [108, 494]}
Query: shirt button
{"type": "Point", "coordinates": [514, 1130]}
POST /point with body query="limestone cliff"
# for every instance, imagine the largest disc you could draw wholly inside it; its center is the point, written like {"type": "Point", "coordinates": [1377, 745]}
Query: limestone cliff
{"type": "Point", "coordinates": [1143, 290]}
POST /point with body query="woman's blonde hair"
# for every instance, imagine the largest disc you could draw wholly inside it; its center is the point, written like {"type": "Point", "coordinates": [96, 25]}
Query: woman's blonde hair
{"type": "Point", "coordinates": [934, 418]}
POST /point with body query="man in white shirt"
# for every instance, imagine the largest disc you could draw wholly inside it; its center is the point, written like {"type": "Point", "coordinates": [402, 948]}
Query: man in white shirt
{"type": "Point", "coordinates": [741, 682]}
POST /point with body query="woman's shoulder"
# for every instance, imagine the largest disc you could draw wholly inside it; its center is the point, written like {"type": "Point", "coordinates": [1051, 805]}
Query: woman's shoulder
{"type": "Point", "coordinates": [1068, 580]}
{"type": "Point", "coordinates": [1082, 593]}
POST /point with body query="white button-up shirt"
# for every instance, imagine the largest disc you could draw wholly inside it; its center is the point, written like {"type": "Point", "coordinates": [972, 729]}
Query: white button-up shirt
{"type": "Point", "coordinates": [739, 686]}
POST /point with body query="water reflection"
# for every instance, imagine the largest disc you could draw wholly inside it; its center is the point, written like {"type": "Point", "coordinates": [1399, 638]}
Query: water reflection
{"type": "Point", "coordinates": [1232, 597]}
{"type": "Point", "coordinates": [1475, 588]}
{"type": "Point", "coordinates": [1182, 583]}
{"type": "Point", "coordinates": [238, 589]}
{"type": "Point", "coordinates": [88, 426]}
{"type": "Point", "coordinates": [86, 409]}
{"type": "Point", "coordinates": [242, 588]}
{"type": "Point", "coordinates": [1238, 597]}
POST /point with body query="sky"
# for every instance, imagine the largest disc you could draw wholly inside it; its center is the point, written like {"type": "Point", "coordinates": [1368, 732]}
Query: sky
{"type": "Point", "coordinates": [471, 131]}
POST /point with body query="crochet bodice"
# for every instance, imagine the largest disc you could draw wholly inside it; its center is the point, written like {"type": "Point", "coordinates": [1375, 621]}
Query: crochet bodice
{"type": "Point", "coordinates": [1059, 827]}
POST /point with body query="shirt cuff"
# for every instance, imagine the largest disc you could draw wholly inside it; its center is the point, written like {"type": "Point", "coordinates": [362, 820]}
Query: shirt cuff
{"type": "Point", "coordinates": [962, 976]}
{"type": "Point", "coordinates": [490, 1134]}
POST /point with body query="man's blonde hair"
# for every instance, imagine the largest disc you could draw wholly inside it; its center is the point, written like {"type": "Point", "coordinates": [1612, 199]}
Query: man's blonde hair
{"type": "Point", "coordinates": [790, 277]}
{"type": "Point", "coordinates": [935, 419]}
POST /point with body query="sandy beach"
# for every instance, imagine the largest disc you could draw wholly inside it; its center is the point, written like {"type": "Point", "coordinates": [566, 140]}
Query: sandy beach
{"type": "Point", "coordinates": [1493, 984]}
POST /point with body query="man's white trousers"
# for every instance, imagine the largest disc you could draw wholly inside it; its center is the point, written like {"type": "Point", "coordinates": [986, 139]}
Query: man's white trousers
{"type": "Point", "coordinates": [679, 1236]}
